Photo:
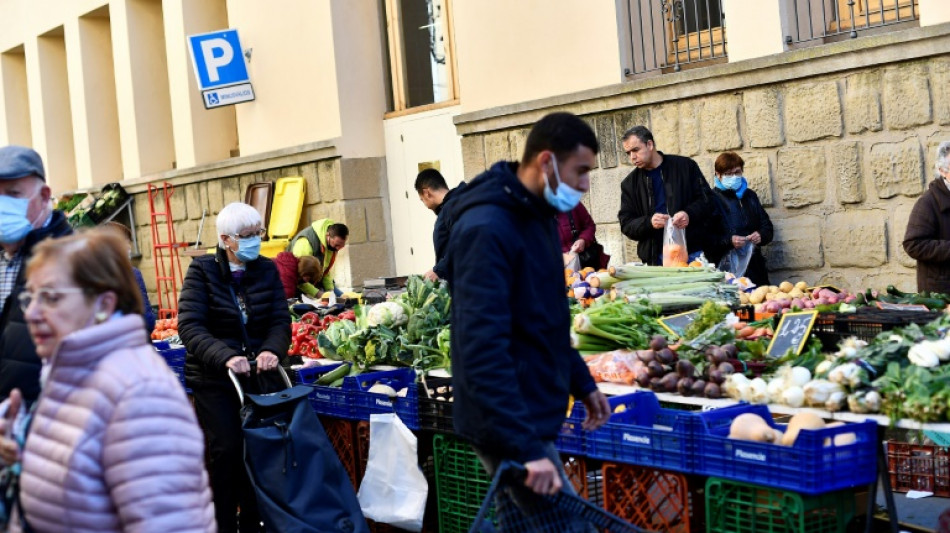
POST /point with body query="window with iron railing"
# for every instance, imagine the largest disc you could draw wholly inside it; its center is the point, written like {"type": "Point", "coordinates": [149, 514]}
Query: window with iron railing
{"type": "Point", "coordinates": [814, 20]}
{"type": "Point", "coordinates": [666, 35]}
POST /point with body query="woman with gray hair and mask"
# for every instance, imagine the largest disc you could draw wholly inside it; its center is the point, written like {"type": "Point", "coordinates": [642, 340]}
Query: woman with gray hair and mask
{"type": "Point", "coordinates": [231, 310]}
{"type": "Point", "coordinates": [928, 230]}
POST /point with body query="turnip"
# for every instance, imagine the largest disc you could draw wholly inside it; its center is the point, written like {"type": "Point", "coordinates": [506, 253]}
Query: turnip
{"type": "Point", "coordinates": [822, 301]}
{"type": "Point", "coordinates": [785, 302]}
{"type": "Point", "coordinates": [809, 304]}
{"type": "Point", "coordinates": [832, 299]}
{"type": "Point", "coordinates": [797, 302]}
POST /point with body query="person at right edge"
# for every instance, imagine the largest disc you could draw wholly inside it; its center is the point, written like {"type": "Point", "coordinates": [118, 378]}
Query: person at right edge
{"type": "Point", "coordinates": [435, 195]}
{"type": "Point", "coordinates": [512, 363]}
{"type": "Point", "coordinates": [660, 187]}
{"type": "Point", "coordinates": [928, 229]}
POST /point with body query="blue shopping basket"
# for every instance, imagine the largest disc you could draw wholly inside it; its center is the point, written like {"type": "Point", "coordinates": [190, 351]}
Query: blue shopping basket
{"type": "Point", "coordinates": [542, 514]}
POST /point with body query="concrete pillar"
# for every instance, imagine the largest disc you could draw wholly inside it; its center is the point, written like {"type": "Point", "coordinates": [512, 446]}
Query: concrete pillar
{"type": "Point", "coordinates": [934, 12]}
{"type": "Point", "coordinates": [141, 78]}
{"type": "Point", "coordinates": [95, 113]}
{"type": "Point", "coordinates": [753, 29]}
{"type": "Point", "coordinates": [15, 125]}
{"type": "Point", "coordinates": [201, 135]}
{"type": "Point", "coordinates": [50, 108]}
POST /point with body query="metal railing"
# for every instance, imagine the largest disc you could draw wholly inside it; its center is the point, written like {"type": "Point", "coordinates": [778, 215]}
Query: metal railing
{"type": "Point", "coordinates": [820, 19]}
{"type": "Point", "coordinates": [668, 34]}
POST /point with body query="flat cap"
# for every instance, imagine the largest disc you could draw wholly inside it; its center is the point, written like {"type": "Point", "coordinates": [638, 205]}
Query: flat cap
{"type": "Point", "coordinates": [19, 162]}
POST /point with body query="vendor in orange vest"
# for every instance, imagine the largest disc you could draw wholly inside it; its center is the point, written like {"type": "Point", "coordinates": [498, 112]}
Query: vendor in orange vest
{"type": "Point", "coordinates": [322, 239]}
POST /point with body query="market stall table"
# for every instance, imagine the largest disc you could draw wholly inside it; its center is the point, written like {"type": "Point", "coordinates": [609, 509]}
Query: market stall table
{"type": "Point", "coordinates": [615, 389]}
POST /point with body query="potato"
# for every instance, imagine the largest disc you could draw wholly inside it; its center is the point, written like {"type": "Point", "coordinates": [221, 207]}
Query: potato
{"type": "Point", "coordinates": [773, 289]}
{"type": "Point", "coordinates": [744, 298]}
{"type": "Point", "coordinates": [785, 286]}
{"type": "Point", "coordinates": [796, 293]}
{"type": "Point", "coordinates": [801, 285]}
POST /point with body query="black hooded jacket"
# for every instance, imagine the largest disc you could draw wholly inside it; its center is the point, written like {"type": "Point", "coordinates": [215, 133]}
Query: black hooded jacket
{"type": "Point", "coordinates": [19, 364]}
{"type": "Point", "coordinates": [686, 190]}
{"type": "Point", "coordinates": [741, 216]}
{"type": "Point", "coordinates": [209, 320]}
{"type": "Point", "coordinates": [445, 218]}
{"type": "Point", "coordinates": [512, 362]}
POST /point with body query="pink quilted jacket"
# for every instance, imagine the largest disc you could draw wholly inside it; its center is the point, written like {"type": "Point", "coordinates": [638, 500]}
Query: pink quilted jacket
{"type": "Point", "coordinates": [114, 444]}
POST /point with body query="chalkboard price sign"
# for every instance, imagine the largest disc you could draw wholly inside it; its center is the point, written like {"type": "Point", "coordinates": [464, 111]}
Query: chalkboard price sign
{"type": "Point", "coordinates": [677, 324]}
{"type": "Point", "coordinates": [792, 332]}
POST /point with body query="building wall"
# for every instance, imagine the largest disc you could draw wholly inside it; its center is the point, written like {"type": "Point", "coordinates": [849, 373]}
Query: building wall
{"type": "Point", "coordinates": [838, 142]}
{"type": "Point", "coordinates": [344, 189]}
{"type": "Point", "coordinates": [512, 52]}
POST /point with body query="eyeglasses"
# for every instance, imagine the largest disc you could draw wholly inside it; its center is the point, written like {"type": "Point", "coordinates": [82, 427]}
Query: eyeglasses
{"type": "Point", "coordinates": [47, 298]}
{"type": "Point", "coordinates": [258, 233]}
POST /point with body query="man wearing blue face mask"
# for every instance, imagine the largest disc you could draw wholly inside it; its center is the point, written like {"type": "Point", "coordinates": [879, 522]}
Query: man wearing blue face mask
{"type": "Point", "coordinates": [26, 218]}
{"type": "Point", "coordinates": [513, 366]}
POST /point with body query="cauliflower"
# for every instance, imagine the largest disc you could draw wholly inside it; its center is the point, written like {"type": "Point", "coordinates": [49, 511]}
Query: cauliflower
{"type": "Point", "coordinates": [389, 314]}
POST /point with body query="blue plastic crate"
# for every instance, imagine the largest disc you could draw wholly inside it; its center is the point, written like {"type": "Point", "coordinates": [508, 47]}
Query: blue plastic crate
{"type": "Point", "coordinates": [330, 401]}
{"type": "Point", "coordinates": [808, 467]}
{"type": "Point", "coordinates": [366, 403]}
{"type": "Point", "coordinates": [572, 438]}
{"type": "Point", "coordinates": [646, 434]}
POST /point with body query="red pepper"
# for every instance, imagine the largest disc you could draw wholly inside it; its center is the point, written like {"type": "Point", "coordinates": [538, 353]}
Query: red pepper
{"type": "Point", "coordinates": [310, 318]}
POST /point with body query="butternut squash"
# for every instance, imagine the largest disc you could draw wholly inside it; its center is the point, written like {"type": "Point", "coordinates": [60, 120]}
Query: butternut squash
{"type": "Point", "coordinates": [750, 426]}
{"type": "Point", "coordinates": [802, 420]}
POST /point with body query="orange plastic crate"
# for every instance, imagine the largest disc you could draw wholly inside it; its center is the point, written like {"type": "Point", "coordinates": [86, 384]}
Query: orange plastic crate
{"type": "Point", "coordinates": [653, 499]}
{"type": "Point", "coordinates": [342, 435]}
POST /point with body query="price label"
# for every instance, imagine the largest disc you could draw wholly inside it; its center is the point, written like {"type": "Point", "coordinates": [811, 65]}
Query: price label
{"type": "Point", "coordinates": [677, 324]}
{"type": "Point", "coordinates": [791, 334]}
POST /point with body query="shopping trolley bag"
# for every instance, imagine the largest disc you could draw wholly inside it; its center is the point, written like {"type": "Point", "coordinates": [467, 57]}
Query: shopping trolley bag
{"type": "Point", "coordinates": [300, 484]}
{"type": "Point", "coordinates": [523, 511]}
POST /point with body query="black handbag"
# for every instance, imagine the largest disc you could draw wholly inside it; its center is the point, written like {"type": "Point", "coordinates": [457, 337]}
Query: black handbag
{"type": "Point", "coordinates": [590, 257]}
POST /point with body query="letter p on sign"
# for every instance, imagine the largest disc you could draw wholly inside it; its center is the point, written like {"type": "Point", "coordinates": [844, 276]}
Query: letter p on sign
{"type": "Point", "coordinates": [218, 59]}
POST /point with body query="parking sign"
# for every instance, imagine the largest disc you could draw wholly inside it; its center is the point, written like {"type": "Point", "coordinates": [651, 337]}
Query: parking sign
{"type": "Point", "coordinates": [218, 59]}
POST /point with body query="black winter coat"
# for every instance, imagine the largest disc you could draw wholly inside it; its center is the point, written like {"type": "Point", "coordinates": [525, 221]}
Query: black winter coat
{"type": "Point", "coordinates": [741, 216]}
{"type": "Point", "coordinates": [19, 364]}
{"type": "Point", "coordinates": [928, 238]}
{"type": "Point", "coordinates": [512, 362]}
{"type": "Point", "coordinates": [209, 320]}
{"type": "Point", "coordinates": [445, 218]}
{"type": "Point", "coordinates": [686, 190]}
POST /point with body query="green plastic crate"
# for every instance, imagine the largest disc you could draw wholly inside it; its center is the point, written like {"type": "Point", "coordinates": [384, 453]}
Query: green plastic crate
{"type": "Point", "coordinates": [461, 483]}
{"type": "Point", "coordinates": [736, 507]}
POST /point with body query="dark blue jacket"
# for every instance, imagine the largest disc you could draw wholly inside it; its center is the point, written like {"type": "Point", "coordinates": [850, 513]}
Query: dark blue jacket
{"type": "Point", "coordinates": [443, 226]}
{"type": "Point", "coordinates": [19, 364]}
{"type": "Point", "coordinates": [147, 313]}
{"type": "Point", "coordinates": [512, 363]}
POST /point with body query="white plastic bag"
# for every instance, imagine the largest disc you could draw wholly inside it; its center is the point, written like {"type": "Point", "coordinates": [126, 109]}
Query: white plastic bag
{"type": "Point", "coordinates": [572, 261]}
{"type": "Point", "coordinates": [736, 261]}
{"type": "Point", "coordinates": [393, 491]}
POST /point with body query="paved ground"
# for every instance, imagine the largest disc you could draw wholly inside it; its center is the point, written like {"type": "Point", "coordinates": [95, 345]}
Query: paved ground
{"type": "Point", "coordinates": [922, 512]}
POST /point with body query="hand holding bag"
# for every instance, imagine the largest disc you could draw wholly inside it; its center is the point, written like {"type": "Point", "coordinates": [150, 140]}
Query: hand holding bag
{"type": "Point", "coordinates": [675, 253]}
{"type": "Point", "coordinates": [736, 260]}
{"type": "Point", "coordinates": [393, 491]}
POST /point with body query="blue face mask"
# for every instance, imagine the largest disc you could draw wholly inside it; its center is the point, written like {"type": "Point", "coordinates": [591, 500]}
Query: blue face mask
{"type": "Point", "coordinates": [566, 197]}
{"type": "Point", "coordinates": [248, 249]}
{"type": "Point", "coordinates": [14, 225]}
{"type": "Point", "coordinates": [731, 182]}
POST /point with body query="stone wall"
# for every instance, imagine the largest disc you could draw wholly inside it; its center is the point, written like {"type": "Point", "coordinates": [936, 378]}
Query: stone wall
{"type": "Point", "coordinates": [838, 159]}
{"type": "Point", "coordinates": [351, 191]}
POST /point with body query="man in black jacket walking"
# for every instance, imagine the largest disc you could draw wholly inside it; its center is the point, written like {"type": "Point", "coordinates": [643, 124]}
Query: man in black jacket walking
{"type": "Point", "coordinates": [26, 218]}
{"type": "Point", "coordinates": [512, 363]}
{"type": "Point", "coordinates": [435, 194]}
{"type": "Point", "coordinates": [662, 186]}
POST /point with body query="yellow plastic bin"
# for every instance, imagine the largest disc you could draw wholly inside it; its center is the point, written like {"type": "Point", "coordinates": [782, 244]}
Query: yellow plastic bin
{"type": "Point", "coordinates": [285, 214]}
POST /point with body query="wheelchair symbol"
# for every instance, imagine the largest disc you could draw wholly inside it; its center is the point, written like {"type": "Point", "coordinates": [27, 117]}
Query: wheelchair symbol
{"type": "Point", "coordinates": [213, 98]}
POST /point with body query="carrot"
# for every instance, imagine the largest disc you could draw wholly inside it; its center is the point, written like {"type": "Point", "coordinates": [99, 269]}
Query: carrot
{"type": "Point", "coordinates": [739, 325]}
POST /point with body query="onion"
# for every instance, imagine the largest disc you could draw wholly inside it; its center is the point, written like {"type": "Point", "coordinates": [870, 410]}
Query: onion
{"type": "Point", "coordinates": [793, 397]}
{"type": "Point", "coordinates": [799, 376]}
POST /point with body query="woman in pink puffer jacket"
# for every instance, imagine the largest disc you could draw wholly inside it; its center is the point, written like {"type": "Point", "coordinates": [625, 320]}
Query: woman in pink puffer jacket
{"type": "Point", "coordinates": [114, 445]}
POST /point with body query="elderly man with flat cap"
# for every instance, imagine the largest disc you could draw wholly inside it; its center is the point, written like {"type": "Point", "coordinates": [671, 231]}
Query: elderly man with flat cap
{"type": "Point", "coordinates": [26, 218]}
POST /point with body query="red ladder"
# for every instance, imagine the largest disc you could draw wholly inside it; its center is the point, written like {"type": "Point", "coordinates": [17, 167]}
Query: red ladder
{"type": "Point", "coordinates": [168, 272]}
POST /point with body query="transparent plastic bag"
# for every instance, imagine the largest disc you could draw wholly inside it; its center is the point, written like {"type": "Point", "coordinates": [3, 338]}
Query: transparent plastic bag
{"type": "Point", "coordinates": [572, 261]}
{"type": "Point", "coordinates": [675, 253]}
{"type": "Point", "coordinates": [736, 261]}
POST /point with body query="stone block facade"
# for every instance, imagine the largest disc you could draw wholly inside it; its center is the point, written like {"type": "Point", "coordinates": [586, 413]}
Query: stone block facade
{"type": "Point", "coordinates": [838, 159]}
{"type": "Point", "coordinates": [351, 191]}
